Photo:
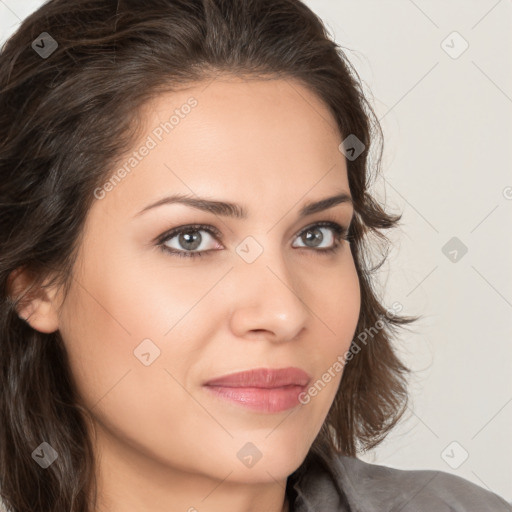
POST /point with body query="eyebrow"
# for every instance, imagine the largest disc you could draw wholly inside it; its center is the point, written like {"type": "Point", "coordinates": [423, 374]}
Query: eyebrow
{"type": "Point", "coordinates": [227, 209]}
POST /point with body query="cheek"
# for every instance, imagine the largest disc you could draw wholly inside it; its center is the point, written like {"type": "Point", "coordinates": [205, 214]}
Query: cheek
{"type": "Point", "coordinates": [137, 402]}
{"type": "Point", "coordinates": [131, 335]}
{"type": "Point", "coordinates": [339, 307]}
{"type": "Point", "coordinates": [338, 310]}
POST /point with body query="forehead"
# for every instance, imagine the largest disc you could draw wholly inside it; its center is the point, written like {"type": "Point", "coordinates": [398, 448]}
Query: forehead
{"type": "Point", "coordinates": [237, 139]}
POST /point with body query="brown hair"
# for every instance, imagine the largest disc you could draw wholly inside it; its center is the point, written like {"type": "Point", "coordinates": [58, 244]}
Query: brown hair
{"type": "Point", "coordinates": [66, 117]}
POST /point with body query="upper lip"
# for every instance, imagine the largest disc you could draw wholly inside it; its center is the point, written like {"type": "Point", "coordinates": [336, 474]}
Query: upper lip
{"type": "Point", "coordinates": [263, 378]}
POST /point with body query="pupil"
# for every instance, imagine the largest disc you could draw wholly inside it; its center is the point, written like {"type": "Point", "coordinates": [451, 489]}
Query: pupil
{"type": "Point", "coordinates": [189, 240]}
{"type": "Point", "coordinates": [318, 237]}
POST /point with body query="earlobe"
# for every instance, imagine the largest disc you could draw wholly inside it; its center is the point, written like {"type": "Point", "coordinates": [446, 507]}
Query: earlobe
{"type": "Point", "coordinates": [35, 305]}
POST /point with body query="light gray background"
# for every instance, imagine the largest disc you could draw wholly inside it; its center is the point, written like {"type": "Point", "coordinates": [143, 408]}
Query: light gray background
{"type": "Point", "coordinates": [448, 129]}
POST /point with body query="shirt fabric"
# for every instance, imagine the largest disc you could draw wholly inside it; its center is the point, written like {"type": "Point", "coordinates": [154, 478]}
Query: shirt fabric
{"type": "Point", "coordinates": [329, 482]}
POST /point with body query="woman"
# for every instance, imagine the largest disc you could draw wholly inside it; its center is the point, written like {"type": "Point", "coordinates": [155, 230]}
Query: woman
{"type": "Point", "coordinates": [185, 240]}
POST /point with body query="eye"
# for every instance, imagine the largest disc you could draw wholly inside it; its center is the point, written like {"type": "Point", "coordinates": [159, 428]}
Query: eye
{"type": "Point", "coordinates": [313, 236]}
{"type": "Point", "coordinates": [189, 243]}
{"type": "Point", "coordinates": [188, 238]}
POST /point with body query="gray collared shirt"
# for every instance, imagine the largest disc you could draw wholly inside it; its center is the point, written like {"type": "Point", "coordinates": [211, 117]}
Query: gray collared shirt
{"type": "Point", "coordinates": [327, 482]}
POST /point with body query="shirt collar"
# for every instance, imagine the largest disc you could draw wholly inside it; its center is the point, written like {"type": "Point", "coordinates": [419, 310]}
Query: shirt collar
{"type": "Point", "coordinates": [326, 481]}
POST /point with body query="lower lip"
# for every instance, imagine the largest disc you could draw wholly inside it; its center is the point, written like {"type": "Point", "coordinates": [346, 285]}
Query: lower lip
{"type": "Point", "coordinates": [261, 399]}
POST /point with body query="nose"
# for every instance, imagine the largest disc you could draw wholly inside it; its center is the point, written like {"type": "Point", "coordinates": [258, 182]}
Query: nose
{"type": "Point", "coordinates": [266, 299]}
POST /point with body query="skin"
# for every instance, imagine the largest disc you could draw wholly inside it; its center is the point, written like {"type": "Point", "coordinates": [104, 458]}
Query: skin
{"type": "Point", "coordinates": [163, 442]}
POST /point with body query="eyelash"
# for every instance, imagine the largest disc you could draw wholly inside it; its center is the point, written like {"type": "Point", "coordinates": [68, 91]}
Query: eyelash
{"type": "Point", "coordinates": [340, 233]}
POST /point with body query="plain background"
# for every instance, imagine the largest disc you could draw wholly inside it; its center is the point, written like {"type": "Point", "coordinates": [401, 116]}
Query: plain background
{"type": "Point", "coordinates": [447, 120]}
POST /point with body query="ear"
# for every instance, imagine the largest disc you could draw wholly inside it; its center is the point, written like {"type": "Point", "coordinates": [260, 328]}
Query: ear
{"type": "Point", "coordinates": [37, 305]}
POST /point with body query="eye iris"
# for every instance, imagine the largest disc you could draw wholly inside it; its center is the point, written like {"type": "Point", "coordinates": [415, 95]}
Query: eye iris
{"type": "Point", "coordinates": [190, 237]}
{"type": "Point", "coordinates": [306, 238]}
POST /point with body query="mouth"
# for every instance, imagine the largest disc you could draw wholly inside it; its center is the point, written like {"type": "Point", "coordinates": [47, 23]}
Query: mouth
{"type": "Point", "coordinates": [261, 389]}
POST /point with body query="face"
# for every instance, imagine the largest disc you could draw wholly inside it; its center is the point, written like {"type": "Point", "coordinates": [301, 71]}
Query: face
{"type": "Point", "coordinates": [153, 313]}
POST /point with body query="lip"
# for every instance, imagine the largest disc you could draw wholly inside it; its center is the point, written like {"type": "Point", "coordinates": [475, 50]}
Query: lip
{"type": "Point", "coordinates": [263, 378]}
{"type": "Point", "coordinates": [261, 389]}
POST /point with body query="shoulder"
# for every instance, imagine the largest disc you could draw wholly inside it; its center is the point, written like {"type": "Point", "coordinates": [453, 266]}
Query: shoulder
{"type": "Point", "coordinates": [387, 488]}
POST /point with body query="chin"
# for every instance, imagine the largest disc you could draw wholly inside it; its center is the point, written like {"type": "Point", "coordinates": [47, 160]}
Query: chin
{"type": "Point", "coordinates": [267, 461]}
